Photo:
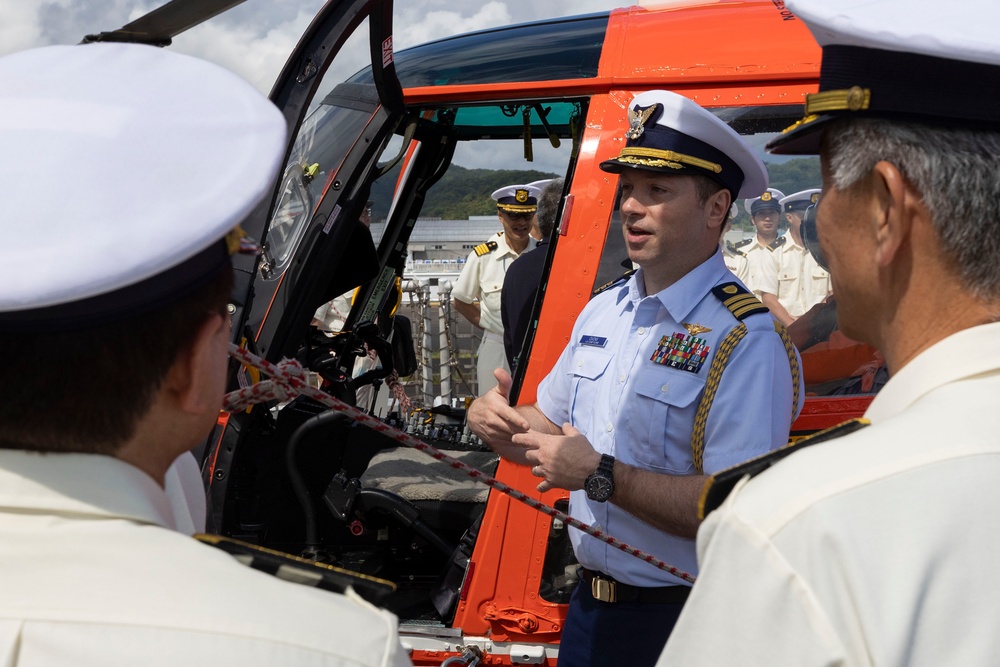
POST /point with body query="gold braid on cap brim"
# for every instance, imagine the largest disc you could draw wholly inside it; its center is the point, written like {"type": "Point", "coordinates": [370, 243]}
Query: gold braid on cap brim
{"type": "Point", "coordinates": [518, 208]}
{"type": "Point", "coordinates": [652, 157]}
{"type": "Point", "coordinates": [854, 98]}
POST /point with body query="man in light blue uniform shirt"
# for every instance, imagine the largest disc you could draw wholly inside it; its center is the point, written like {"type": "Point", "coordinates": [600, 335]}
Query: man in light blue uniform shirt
{"type": "Point", "coordinates": [642, 412]}
{"type": "Point", "coordinates": [645, 407]}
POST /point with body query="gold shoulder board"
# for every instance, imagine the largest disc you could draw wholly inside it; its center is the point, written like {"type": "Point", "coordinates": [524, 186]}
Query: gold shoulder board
{"type": "Point", "coordinates": [617, 281]}
{"type": "Point", "coordinates": [300, 570]}
{"type": "Point", "coordinates": [740, 302]}
{"type": "Point", "coordinates": [485, 248]}
{"type": "Point", "coordinates": [719, 485]}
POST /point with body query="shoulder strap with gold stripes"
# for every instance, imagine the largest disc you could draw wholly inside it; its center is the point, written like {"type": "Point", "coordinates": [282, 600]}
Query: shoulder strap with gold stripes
{"type": "Point", "coordinates": [741, 304]}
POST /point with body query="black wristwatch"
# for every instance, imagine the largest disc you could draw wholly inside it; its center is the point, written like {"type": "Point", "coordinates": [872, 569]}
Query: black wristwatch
{"type": "Point", "coordinates": [601, 484]}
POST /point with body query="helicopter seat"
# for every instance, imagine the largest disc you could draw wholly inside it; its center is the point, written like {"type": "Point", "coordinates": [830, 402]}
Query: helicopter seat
{"type": "Point", "coordinates": [416, 476]}
{"type": "Point", "coordinates": [447, 498]}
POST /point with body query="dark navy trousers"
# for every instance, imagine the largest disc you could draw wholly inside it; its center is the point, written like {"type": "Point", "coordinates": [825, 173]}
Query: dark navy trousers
{"type": "Point", "coordinates": [601, 634]}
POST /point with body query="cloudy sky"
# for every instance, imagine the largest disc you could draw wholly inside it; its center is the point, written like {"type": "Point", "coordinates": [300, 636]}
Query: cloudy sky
{"type": "Point", "coordinates": [255, 38]}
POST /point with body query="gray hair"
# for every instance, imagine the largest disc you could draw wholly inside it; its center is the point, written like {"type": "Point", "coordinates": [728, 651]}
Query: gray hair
{"type": "Point", "coordinates": [955, 170]}
{"type": "Point", "coordinates": [548, 205]}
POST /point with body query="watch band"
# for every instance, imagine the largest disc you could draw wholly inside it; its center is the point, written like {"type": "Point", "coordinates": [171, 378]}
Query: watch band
{"type": "Point", "coordinates": [607, 465]}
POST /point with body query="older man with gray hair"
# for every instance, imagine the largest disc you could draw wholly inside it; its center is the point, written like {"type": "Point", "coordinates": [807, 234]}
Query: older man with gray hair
{"type": "Point", "coordinates": [877, 548]}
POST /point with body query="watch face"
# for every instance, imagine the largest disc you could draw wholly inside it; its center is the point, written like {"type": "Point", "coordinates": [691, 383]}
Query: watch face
{"type": "Point", "coordinates": [599, 488]}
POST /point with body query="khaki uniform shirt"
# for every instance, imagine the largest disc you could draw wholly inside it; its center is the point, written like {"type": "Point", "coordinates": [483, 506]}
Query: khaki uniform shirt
{"type": "Point", "coordinates": [94, 572]}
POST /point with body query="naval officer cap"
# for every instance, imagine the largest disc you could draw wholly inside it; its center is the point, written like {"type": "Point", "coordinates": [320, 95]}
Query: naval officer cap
{"type": "Point", "coordinates": [769, 200]}
{"type": "Point", "coordinates": [540, 185]}
{"type": "Point", "coordinates": [801, 200]}
{"type": "Point", "coordinates": [517, 198]}
{"type": "Point", "coordinates": [124, 170]}
{"type": "Point", "coordinates": [670, 134]}
{"type": "Point", "coordinates": [920, 60]}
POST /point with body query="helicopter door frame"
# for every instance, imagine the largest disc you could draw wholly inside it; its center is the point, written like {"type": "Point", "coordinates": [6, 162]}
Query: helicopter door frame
{"type": "Point", "coordinates": [293, 91]}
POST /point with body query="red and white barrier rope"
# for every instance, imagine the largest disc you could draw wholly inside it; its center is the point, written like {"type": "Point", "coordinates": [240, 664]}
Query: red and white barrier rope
{"type": "Point", "coordinates": [289, 378]}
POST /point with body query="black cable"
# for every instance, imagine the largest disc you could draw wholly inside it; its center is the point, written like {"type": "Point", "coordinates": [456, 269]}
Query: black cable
{"type": "Point", "coordinates": [298, 483]}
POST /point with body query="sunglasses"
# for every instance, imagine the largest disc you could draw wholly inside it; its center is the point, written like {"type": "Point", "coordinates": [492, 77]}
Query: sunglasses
{"type": "Point", "coordinates": [810, 237]}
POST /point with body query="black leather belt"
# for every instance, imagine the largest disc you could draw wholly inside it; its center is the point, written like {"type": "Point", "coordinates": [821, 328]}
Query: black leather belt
{"type": "Point", "coordinates": [607, 589]}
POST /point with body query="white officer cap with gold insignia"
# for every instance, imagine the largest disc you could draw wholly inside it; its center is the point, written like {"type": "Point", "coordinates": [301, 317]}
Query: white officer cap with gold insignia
{"type": "Point", "coordinates": [768, 200]}
{"type": "Point", "coordinates": [517, 198]}
{"type": "Point", "coordinates": [670, 134]}
{"type": "Point", "coordinates": [123, 170]}
{"type": "Point", "coordinates": [922, 60]}
{"type": "Point", "coordinates": [800, 201]}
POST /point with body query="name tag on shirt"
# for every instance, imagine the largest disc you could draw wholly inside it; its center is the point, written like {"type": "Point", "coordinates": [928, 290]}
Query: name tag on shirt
{"type": "Point", "coordinates": [593, 341]}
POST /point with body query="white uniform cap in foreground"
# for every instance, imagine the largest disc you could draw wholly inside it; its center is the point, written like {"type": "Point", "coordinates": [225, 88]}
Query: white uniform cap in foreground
{"type": "Point", "coordinates": [919, 60]}
{"type": "Point", "coordinates": [119, 163]}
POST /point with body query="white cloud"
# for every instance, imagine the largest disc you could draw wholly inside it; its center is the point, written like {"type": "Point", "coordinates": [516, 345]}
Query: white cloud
{"type": "Point", "coordinates": [19, 29]}
{"type": "Point", "coordinates": [510, 155]}
{"type": "Point", "coordinates": [255, 52]}
{"type": "Point", "coordinates": [413, 24]}
{"type": "Point", "coordinates": [255, 38]}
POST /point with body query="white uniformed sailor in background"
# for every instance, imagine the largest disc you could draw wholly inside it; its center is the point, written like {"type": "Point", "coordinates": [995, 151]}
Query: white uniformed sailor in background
{"type": "Point", "coordinates": [477, 292]}
{"type": "Point", "coordinates": [795, 277]}
{"type": "Point", "coordinates": [765, 214]}
{"type": "Point", "coordinates": [735, 260]}
{"type": "Point", "coordinates": [115, 320]}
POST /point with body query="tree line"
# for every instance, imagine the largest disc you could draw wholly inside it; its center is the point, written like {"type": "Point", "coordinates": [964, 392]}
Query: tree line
{"type": "Point", "coordinates": [463, 192]}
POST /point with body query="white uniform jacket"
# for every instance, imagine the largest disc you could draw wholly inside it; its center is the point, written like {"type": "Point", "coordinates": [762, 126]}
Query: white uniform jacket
{"type": "Point", "coordinates": [877, 548]}
{"type": "Point", "coordinates": [796, 278]}
{"type": "Point", "coordinates": [615, 382]}
{"type": "Point", "coordinates": [92, 572]}
{"type": "Point", "coordinates": [482, 278]}
{"type": "Point", "coordinates": [737, 264]}
{"type": "Point", "coordinates": [758, 264]}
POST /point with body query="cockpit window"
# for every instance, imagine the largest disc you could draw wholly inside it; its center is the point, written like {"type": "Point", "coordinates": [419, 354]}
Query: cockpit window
{"type": "Point", "coordinates": [324, 139]}
{"type": "Point", "coordinates": [569, 49]}
{"type": "Point", "coordinates": [542, 119]}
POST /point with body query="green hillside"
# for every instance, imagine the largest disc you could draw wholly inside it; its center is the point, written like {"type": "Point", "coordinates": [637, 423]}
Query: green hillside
{"type": "Point", "coordinates": [460, 193]}
{"type": "Point", "coordinates": [465, 192]}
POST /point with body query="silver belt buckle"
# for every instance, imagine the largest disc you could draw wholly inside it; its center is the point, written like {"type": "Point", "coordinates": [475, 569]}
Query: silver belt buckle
{"type": "Point", "coordinates": [602, 589]}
